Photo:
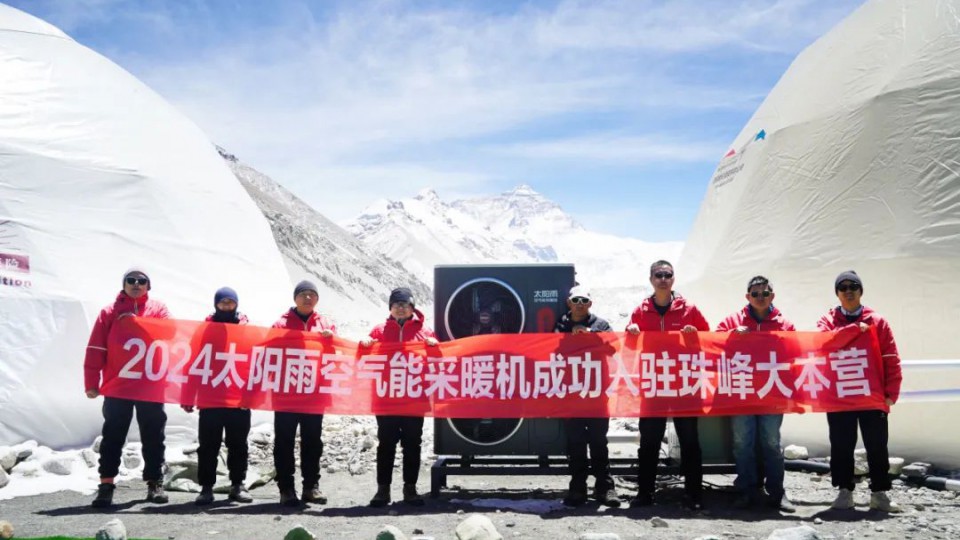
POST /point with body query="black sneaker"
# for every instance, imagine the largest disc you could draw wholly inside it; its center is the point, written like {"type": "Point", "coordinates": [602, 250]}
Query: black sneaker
{"type": "Point", "coordinates": [155, 492]}
{"type": "Point", "coordinates": [382, 497]}
{"type": "Point", "coordinates": [312, 494]}
{"type": "Point", "coordinates": [104, 498]}
{"type": "Point", "coordinates": [239, 494]}
{"type": "Point", "coordinates": [288, 497]}
{"type": "Point", "coordinates": [205, 497]}
{"type": "Point", "coordinates": [641, 500]}
{"type": "Point", "coordinates": [607, 497]}
{"type": "Point", "coordinates": [410, 495]}
{"type": "Point", "coordinates": [575, 497]}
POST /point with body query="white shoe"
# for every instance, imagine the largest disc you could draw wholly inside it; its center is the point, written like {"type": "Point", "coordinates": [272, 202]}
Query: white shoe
{"type": "Point", "coordinates": [879, 500]}
{"type": "Point", "coordinates": [844, 500]}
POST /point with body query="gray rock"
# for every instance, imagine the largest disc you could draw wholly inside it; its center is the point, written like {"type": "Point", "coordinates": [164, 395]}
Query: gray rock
{"type": "Point", "coordinates": [25, 449]}
{"type": "Point", "coordinates": [599, 536]}
{"type": "Point", "coordinates": [28, 468]}
{"type": "Point", "coordinates": [917, 469]}
{"type": "Point", "coordinates": [896, 465]}
{"type": "Point", "coordinates": [795, 452]}
{"type": "Point", "coordinates": [389, 532]}
{"type": "Point", "coordinates": [477, 527]}
{"type": "Point", "coordinates": [181, 469]}
{"type": "Point", "coordinates": [112, 530]}
{"type": "Point", "coordinates": [658, 522]}
{"type": "Point", "coordinates": [184, 485]}
{"type": "Point", "coordinates": [4, 478]}
{"type": "Point", "coordinates": [6, 529]}
{"type": "Point", "coordinates": [90, 458]}
{"type": "Point", "coordinates": [262, 477]}
{"type": "Point", "coordinates": [61, 465]}
{"type": "Point", "coordinates": [132, 461]}
{"type": "Point", "coordinates": [8, 458]}
{"type": "Point", "coordinates": [860, 465]}
{"type": "Point", "coordinates": [803, 532]}
{"type": "Point", "coordinates": [95, 445]}
{"type": "Point", "coordinates": [368, 443]}
{"type": "Point", "coordinates": [191, 449]}
{"type": "Point", "coordinates": [299, 533]}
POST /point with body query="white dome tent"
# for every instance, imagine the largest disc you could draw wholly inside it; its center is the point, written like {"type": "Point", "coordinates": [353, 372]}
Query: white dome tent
{"type": "Point", "coordinates": [852, 162]}
{"type": "Point", "coordinates": [97, 174]}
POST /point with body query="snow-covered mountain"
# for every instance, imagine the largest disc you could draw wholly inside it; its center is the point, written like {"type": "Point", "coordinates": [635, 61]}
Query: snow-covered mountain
{"type": "Point", "coordinates": [355, 280]}
{"type": "Point", "coordinates": [518, 226]}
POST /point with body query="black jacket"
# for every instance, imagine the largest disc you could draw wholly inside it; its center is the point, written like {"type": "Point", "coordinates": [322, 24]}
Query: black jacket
{"type": "Point", "coordinates": [594, 323]}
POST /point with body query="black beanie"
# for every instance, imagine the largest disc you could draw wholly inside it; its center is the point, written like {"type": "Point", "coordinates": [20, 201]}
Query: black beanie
{"type": "Point", "coordinates": [304, 285]}
{"type": "Point", "coordinates": [224, 293]}
{"type": "Point", "coordinates": [849, 275]}
{"type": "Point", "coordinates": [401, 294]}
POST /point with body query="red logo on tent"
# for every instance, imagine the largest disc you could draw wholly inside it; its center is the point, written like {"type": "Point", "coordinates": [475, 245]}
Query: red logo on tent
{"type": "Point", "coordinates": [730, 153]}
{"type": "Point", "coordinates": [16, 263]}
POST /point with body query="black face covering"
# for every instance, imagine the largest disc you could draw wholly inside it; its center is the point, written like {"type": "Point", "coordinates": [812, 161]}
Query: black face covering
{"type": "Point", "coordinates": [225, 316]}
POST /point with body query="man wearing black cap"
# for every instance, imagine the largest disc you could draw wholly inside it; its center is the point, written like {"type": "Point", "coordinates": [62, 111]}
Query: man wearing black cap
{"type": "Point", "coordinates": [300, 317]}
{"type": "Point", "coordinates": [132, 301]}
{"type": "Point", "coordinates": [873, 424]}
{"type": "Point", "coordinates": [219, 421]}
{"type": "Point", "coordinates": [405, 323]}
{"type": "Point", "coordinates": [586, 432]}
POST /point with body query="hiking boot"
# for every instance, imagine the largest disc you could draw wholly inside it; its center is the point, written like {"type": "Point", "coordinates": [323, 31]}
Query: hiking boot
{"type": "Point", "coordinates": [783, 504]}
{"type": "Point", "coordinates": [844, 500]}
{"type": "Point", "coordinates": [239, 494]}
{"type": "Point", "coordinates": [410, 495]}
{"type": "Point", "coordinates": [641, 500]}
{"type": "Point", "coordinates": [575, 497]}
{"type": "Point", "coordinates": [879, 500]}
{"type": "Point", "coordinates": [104, 496]}
{"type": "Point", "coordinates": [312, 494]}
{"type": "Point", "coordinates": [288, 497]}
{"type": "Point", "coordinates": [607, 497]}
{"type": "Point", "coordinates": [155, 492]}
{"type": "Point", "coordinates": [693, 503]}
{"type": "Point", "coordinates": [382, 497]}
{"type": "Point", "coordinates": [205, 497]}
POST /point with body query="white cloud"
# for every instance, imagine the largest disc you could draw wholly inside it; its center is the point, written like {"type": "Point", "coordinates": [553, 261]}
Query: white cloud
{"type": "Point", "coordinates": [633, 150]}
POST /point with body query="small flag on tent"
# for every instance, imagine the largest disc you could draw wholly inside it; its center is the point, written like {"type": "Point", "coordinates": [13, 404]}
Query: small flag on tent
{"type": "Point", "coordinates": [730, 153]}
{"type": "Point", "coordinates": [761, 135]}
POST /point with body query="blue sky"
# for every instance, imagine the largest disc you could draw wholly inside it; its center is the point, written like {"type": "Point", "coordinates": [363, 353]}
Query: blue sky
{"type": "Point", "coordinates": [617, 110]}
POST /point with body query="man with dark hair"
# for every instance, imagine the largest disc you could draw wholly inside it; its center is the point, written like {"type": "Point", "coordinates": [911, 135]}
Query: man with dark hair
{"type": "Point", "coordinates": [665, 311]}
{"type": "Point", "coordinates": [133, 301]}
{"type": "Point", "coordinates": [584, 432]}
{"type": "Point", "coordinates": [216, 422]}
{"type": "Point", "coordinates": [405, 324]}
{"type": "Point", "coordinates": [763, 430]}
{"type": "Point", "coordinates": [300, 317]}
{"type": "Point", "coordinates": [873, 423]}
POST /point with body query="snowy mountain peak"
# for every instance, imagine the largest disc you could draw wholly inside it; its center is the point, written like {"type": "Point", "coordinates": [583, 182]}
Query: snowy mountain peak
{"type": "Point", "coordinates": [427, 195]}
{"type": "Point", "coordinates": [523, 190]}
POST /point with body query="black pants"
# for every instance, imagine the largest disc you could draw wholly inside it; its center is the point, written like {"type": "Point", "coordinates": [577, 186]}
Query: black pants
{"type": "Point", "coordinates": [408, 431]}
{"type": "Point", "coordinates": [311, 447]}
{"type": "Point", "coordinates": [117, 415]}
{"type": "Point", "coordinates": [213, 423]}
{"type": "Point", "coordinates": [691, 461]}
{"type": "Point", "coordinates": [843, 442]}
{"type": "Point", "coordinates": [581, 433]}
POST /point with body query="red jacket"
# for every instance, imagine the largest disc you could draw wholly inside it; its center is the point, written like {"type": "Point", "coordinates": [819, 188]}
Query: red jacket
{"type": "Point", "coordinates": [892, 376]}
{"type": "Point", "coordinates": [123, 306]}
{"type": "Point", "coordinates": [315, 323]}
{"type": "Point", "coordinates": [241, 318]}
{"type": "Point", "coordinates": [775, 322]}
{"type": "Point", "coordinates": [412, 330]}
{"type": "Point", "coordinates": [681, 314]}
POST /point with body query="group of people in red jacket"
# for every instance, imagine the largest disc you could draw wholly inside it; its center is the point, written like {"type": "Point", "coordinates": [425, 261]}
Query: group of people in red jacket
{"type": "Point", "coordinates": [665, 310]}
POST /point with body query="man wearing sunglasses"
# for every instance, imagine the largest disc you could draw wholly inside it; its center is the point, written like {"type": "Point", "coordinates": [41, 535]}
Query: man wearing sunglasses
{"type": "Point", "coordinates": [132, 301]}
{"type": "Point", "coordinates": [762, 431]}
{"type": "Point", "coordinates": [873, 424]}
{"type": "Point", "coordinates": [584, 432]}
{"type": "Point", "coordinates": [666, 311]}
{"type": "Point", "coordinates": [301, 316]}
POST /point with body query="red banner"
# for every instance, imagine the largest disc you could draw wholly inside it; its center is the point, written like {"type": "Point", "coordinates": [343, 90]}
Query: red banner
{"type": "Point", "coordinates": [508, 376]}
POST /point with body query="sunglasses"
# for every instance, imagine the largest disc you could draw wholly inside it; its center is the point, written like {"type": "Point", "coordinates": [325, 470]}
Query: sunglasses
{"type": "Point", "coordinates": [663, 275]}
{"type": "Point", "coordinates": [137, 281]}
{"type": "Point", "coordinates": [401, 305]}
{"type": "Point", "coordinates": [848, 288]}
{"type": "Point", "coordinates": [579, 300]}
{"type": "Point", "coordinates": [756, 294]}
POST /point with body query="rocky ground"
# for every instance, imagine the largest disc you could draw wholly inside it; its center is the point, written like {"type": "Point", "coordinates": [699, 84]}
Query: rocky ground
{"type": "Point", "coordinates": [517, 506]}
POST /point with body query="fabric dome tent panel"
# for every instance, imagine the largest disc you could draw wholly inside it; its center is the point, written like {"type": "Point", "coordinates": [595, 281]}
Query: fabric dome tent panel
{"type": "Point", "coordinates": [97, 174]}
{"type": "Point", "coordinates": [851, 162]}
